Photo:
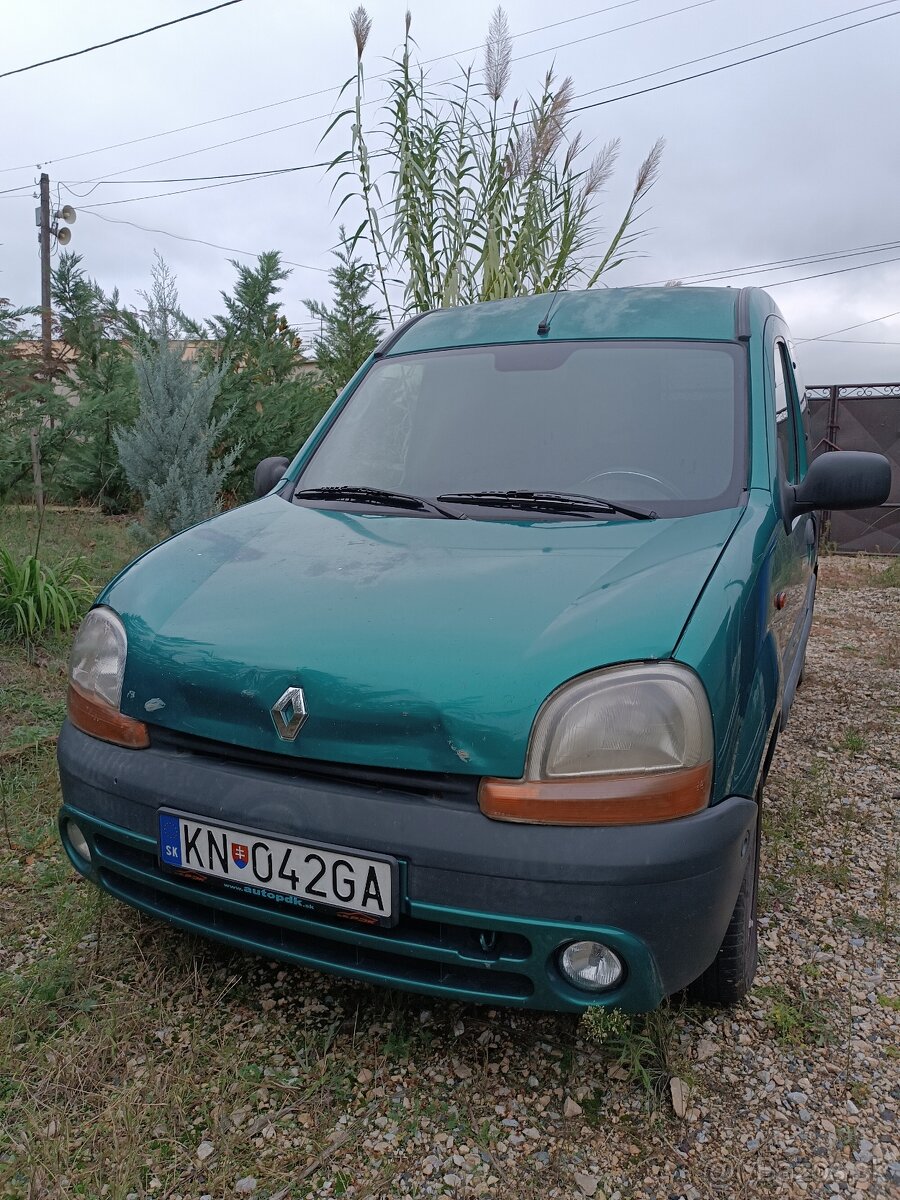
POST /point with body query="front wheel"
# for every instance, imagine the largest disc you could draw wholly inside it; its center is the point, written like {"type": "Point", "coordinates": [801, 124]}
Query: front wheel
{"type": "Point", "coordinates": [729, 977]}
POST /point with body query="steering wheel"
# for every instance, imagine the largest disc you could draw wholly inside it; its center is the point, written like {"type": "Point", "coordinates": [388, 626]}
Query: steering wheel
{"type": "Point", "coordinates": [672, 492]}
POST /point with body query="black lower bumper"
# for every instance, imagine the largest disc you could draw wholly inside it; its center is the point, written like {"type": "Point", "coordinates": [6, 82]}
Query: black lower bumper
{"type": "Point", "coordinates": [485, 904]}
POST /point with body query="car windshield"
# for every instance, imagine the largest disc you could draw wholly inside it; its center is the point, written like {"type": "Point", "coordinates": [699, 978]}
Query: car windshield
{"type": "Point", "coordinates": [654, 423]}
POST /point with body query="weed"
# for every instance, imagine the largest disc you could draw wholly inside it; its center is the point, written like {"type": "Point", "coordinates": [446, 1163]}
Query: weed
{"type": "Point", "coordinates": [853, 742]}
{"type": "Point", "coordinates": [847, 1136]}
{"type": "Point", "coordinates": [880, 927]}
{"type": "Point", "coordinates": [592, 1106]}
{"type": "Point", "coordinates": [886, 890]}
{"type": "Point", "coordinates": [889, 577]}
{"type": "Point", "coordinates": [796, 1017]}
{"type": "Point", "coordinates": [401, 1038]}
{"type": "Point", "coordinates": [891, 1002]}
{"type": "Point", "coordinates": [833, 874]}
{"type": "Point", "coordinates": [789, 813]}
{"type": "Point", "coordinates": [775, 889]}
{"type": "Point", "coordinates": [642, 1045]}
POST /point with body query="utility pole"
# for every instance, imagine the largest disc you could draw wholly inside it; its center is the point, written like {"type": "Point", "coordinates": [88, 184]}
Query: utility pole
{"type": "Point", "coordinates": [46, 316]}
{"type": "Point", "coordinates": [46, 333]}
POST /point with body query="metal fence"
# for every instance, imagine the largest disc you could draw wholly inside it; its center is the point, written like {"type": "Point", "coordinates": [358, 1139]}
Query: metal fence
{"type": "Point", "coordinates": [860, 416]}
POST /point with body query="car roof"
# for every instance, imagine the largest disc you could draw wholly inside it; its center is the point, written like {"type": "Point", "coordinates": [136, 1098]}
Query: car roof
{"type": "Point", "coordinates": [695, 313]}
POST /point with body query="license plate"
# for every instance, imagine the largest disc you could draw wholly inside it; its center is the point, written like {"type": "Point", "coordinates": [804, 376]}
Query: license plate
{"type": "Point", "coordinates": [264, 867]}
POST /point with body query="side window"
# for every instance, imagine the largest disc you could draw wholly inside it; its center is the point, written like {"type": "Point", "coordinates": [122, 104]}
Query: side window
{"type": "Point", "coordinates": [785, 417]}
{"type": "Point", "coordinates": [803, 427]}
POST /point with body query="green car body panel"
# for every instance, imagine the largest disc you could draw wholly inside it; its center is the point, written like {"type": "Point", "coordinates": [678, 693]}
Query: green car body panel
{"type": "Point", "coordinates": [428, 645]}
{"type": "Point", "coordinates": [219, 600]}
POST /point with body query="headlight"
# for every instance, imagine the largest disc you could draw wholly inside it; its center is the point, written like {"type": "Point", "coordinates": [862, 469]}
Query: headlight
{"type": "Point", "coordinates": [96, 669]}
{"type": "Point", "coordinates": [626, 745]}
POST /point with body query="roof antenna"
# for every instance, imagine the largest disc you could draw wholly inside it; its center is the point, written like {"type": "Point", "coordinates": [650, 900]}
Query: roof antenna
{"type": "Point", "coordinates": [544, 327]}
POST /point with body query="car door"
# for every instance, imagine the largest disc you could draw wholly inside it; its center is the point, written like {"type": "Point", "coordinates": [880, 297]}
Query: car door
{"type": "Point", "coordinates": [793, 573]}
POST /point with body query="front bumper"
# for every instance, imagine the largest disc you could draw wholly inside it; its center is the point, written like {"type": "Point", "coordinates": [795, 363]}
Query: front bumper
{"type": "Point", "coordinates": [485, 904]}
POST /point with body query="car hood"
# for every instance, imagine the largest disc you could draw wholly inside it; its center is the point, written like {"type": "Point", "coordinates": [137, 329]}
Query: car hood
{"type": "Point", "coordinates": [421, 643]}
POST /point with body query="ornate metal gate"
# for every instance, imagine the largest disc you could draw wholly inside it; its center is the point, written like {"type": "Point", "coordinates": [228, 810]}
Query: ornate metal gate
{"type": "Point", "coordinates": [860, 416]}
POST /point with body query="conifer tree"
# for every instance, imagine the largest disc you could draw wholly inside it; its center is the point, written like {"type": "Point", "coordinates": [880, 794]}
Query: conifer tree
{"type": "Point", "coordinates": [102, 380]}
{"type": "Point", "coordinates": [27, 400]}
{"type": "Point", "coordinates": [167, 454]}
{"type": "Point", "coordinates": [275, 404]}
{"type": "Point", "coordinates": [350, 327]}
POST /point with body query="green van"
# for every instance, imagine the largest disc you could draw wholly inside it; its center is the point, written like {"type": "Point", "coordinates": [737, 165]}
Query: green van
{"type": "Point", "coordinates": [478, 698]}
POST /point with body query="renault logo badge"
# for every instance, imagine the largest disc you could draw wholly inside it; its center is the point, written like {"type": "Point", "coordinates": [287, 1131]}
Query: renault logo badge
{"type": "Point", "coordinates": [289, 713]}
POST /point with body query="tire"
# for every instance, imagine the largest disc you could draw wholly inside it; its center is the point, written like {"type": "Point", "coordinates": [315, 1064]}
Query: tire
{"type": "Point", "coordinates": [730, 975]}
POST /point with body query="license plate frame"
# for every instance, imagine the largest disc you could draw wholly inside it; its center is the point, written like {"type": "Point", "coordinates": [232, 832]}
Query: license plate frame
{"type": "Point", "coordinates": [243, 881]}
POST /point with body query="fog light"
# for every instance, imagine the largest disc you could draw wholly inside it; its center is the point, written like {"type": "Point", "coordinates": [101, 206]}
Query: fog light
{"type": "Point", "coordinates": [78, 841]}
{"type": "Point", "coordinates": [591, 966]}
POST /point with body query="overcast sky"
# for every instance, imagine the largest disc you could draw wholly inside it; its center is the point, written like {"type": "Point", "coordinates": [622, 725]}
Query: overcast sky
{"type": "Point", "coordinates": [793, 156]}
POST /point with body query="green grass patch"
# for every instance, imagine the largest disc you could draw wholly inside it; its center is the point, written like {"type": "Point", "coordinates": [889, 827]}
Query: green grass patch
{"type": "Point", "coordinates": [102, 543]}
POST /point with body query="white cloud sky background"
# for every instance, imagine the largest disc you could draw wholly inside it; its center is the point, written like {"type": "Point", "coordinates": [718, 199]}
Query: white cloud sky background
{"type": "Point", "coordinates": [794, 155]}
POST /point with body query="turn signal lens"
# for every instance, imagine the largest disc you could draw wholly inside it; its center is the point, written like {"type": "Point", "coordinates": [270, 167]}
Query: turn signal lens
{"type": "Point", "coordinates": [602, 800]}
{"type": "Point", "coordinates": [92, 715]}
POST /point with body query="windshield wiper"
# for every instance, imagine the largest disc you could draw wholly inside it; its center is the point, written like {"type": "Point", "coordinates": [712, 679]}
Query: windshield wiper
{"type": "Point", "coordinates": [372, 495]}
{"type": "Point", "coordinates": [569, 502]}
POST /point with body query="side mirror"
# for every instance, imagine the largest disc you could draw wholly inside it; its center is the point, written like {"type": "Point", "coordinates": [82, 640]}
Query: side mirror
{"type": "Point", "coordinates": [842, 479]}
{"type": "Point", "coordinates": [268, 473]}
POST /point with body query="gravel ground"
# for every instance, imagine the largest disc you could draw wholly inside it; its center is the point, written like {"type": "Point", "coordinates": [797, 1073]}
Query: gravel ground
{"type": "Point", "coordinates": [226, 1076]}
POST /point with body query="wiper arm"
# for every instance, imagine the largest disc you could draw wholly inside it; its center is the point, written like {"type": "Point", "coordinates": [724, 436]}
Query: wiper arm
{"type": "Point", "coordinates": [574, 502]}
{"type": "Point", "coordinates": [372, 495]}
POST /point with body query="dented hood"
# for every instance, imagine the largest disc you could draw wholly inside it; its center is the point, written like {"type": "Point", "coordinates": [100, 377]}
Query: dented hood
{"type": "Point", "coordinates": [420, 643]}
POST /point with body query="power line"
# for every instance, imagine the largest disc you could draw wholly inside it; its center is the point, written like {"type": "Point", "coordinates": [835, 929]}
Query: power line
{"type": "Point", "coordinates": [612, 100]}
{"type": "Point", "coordinates": [690, 62]}
{"type": "Point", "coordinates": [778, 264]}
{"type": "Point", "coordinates": [325, 270]}
{"type": "Point", "coordinates": [310, 95]}
{"type": "Point", "coordinates": [181, 237]}
{"type": "Point", "coordinates": [249, 137]}
{"type": "Point", "coordinates": [855, 341]}
{"type": "Point", "coordinates": [848, 328]}
{"type": "Point", "coordinates": [672, 12]}
{"type": "Point", "coordinates": [840, 271]}
{"type": "Point", "coordinates": [738, 63]}
{"type": "Point", "coordinates": [206, 187]}
{"type": "Point", "coordinates": [115, 41]}
{"type": "Point", "coordinates": [439, 58]}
